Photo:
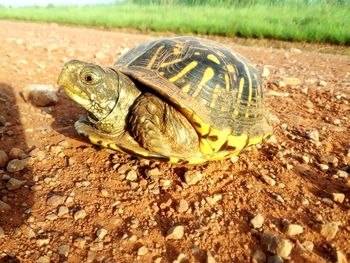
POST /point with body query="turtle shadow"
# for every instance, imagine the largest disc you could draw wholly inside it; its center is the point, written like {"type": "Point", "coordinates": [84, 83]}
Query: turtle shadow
{"type": "Point", "coordinates": [16, 201]}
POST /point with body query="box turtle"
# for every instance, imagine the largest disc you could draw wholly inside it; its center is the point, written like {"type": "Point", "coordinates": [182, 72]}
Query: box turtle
{"type": "Point", "coordinates": [181, 99]}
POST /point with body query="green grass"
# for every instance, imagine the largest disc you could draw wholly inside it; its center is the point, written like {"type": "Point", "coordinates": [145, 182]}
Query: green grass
{"type": "Point", "coordinates": [298, 20]}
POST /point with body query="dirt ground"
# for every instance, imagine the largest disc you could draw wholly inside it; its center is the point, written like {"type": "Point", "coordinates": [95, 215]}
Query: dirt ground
{"type": "Point", "coordinates": [79, 203]}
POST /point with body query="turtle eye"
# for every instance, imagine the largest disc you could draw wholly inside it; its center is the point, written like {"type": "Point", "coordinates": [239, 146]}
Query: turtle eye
{"type": "Point", "coordinates": [89, 78]}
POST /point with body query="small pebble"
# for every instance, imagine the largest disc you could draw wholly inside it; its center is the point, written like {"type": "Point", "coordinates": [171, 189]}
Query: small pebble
{"type": "Point", "coordinates": [210, 258]}
{"type": "Point", "coordinates": [308, 245]}
{"type": "Point", "coordinates": [14, 184]}
{"type": "Point", "coordinates": [63, 250]}
{"type": "Point", "coordinates": [322, 83]}
{"type": "Point", "coordinates": [2, 232]}
{"type": "Point", "coordinates": [192, 177]}
{"type": "Point", "coordinates": [101, 233]}
{"type": "Point", "coordinates": [338, 197]}
{"type": "Point", "coordinates": [183, 206]}
{"type": "Point", "coordinates": [43, 259]}
{"type": "Point", "coordinates": [290, 81]}
{"type": "Point", "coordinates": [28, 232]}
{"type": "Point", "coordinates": [3, 158]}
{"type": "Point", "coordinates": [175, 232]}
{"type": "Point", "coordinates": [214, 199]}
{"type": "Point", "coordinates": [42, 242]}
{"type": "Point", "coordinates": [55, 200]}
{"type": "Point", "coordinates": [294, 229]}
{"type": "Point", "coordinates": [341, 257]}
{"type": "Point", "coordinates": [80, 214]}
{"type": "Point", "coordinates": [80, 242]}
{"type": "Point", "coordinates": [131, 175]}
{"type": "Point", "coordinates": [4, 206]}
{"type": "Point", "coordinates": [142, 251]}
{"type": "Point", "coordinates": [283, 247]}
{"type": "Point", "coordinates": [40, 94]}
{"type": "Point", "coordinates": [329, 231]}
{"type": "Point", "coordinates": [51, 217]}
{"type": "Point", "coordinates": [16, 165]}
{"type": "Point", "coordinates": [337, 122]}
{"type": "Point", "coordinates": [16, 153]}
{"type": "Point", "coordinates": [234, 159]}
{"type": "Point", "coordinates": [257, 221]}
{"type": "Point", "coordinates": [313, 135]}
{"type": "Point", "coordinates": [274, 259]}
{"type": "Point", "coordinates": [268, 180]}
{"type": "Point", "coordinates": [62, 210]}
{"type": "Point", "coordinates": [342, 174]}
{"type": "Point", "coordinates": [259, 256]}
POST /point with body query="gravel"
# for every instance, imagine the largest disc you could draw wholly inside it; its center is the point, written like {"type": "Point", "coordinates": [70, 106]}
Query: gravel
{"type": "Point", "coordinates": [55, 200]}
{"type": "Point", "coordinates": [176, 232]}
{"type": "Point", "coordinates": [268, 180]}
{"type": "Point", "coordinates": [329, 230]}
{"type": "Point", "coordinates": [142, 251]}
{"type": "Point", "coordinates": [40, 94]}
{"type": "Point", "coordinates": [63, 250]}
{"type": "Point", "coordinates": [338, 197]}
{"type": "Point", "coordinates": [192, 177]}
{"type": "Point", "coordinates": [80, 214]}
{"type": "Point", "coordinates": [16, 165]}
{"type": "Point", "coordinates": [62, 210]}
{"type": "Point", "coordinates": [294, 229]}
{"type": "Point", "coordinates": [257, 221]}
{"type": "Point", "coordinates": [183, 206]}
{"type": "Point", "coordinates": [14, 184]}
{"type": "Point", "coordinates": [101, 233]}
{"type": "Point", "coordinates": [3, 158]}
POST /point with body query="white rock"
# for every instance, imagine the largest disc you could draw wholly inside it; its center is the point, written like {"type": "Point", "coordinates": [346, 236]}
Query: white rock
{"type": "Point", "coordinates": [269, 180]}
{"type": "Point", "coordinates": [329, 230]}
{"type": "Point", "coordinates": [294, 229]}
{"type": "Point", "coordinates": [175, 232]}
{"type": "Point", "coordinates": [214, 199]}
{"type": "Point", "coordinates": [101, 233]}
{"type": "Point", "coordinates": [308, 245]}
{"type": "Point", "coordinates": [62, 210]}
{"type": "Point", "coordinates": [183, 206]}
{"type": "Point", "coordinates": [313, 135]}
{"type": "Point", "coordinates": [192, 177]}
{"type": "Point", "coordinates": [80, 214]}
{"type": "Point", "coordinates": [257, 221]}
{"type": "Point", "coordinates": [342, 174]}
{"type": "Point", "coordinates": [142, 251]}
{"type": "Point", "coordinates": [283, 247]}
{"type": "Point", "coordinates": [63, 250]}
{"type": "Point", "coordinates": [14, 184]}
{"type": "Point", "coordinates": [40, 94]}
{"type": "Point", "coordinates": [338, 197]}
{"type": "Point", "coordinates": [290, 81]}
{"type": "Point", "coordinates": [265, 72]}
{"type": "Point", "coordinates": [55, 200]}
{"type": "Point", "coordinates": [131, 175]}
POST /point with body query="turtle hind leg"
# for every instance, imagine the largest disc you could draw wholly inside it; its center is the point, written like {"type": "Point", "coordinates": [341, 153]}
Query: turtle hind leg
{"type": "Point", "coordinates": [160, 128]}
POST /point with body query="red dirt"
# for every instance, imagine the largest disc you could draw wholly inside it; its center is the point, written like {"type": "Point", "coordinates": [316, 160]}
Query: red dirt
{"type": "Point", "coordinates": [93, 179]}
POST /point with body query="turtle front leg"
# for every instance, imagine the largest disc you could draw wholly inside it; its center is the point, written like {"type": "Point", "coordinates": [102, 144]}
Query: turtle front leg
{"type": "Point", "coordinates": [160, 128]}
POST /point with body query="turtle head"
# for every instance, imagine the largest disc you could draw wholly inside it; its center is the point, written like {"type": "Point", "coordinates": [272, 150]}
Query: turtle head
{"type": "Point", "coordinates": [93, 87]}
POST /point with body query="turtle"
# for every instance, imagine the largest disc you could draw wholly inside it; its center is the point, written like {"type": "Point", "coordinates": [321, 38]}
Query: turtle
{"type": "Point", "coordinates": [180, 99]}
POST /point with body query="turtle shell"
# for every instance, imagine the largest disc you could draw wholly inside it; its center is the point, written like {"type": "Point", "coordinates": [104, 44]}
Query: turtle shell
{"type": "Point", "coordinates": [219, 91]}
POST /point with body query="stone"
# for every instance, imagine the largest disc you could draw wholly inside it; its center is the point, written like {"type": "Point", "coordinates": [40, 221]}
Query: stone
{"type": "Point", "coordinates": [192, 177]}
{"type": "Point", "coordinates": [183, 206]}
{"type": "Point", "coordinates": [3, 158]}
{"type": "Point", "coordinates": [268, 180]}
{"type": "Point", "coordinates": [313, 135]}
{"type": "Point", "coordinates": [265, 72]}
{"type": "Point", "coordinates": [308, 245]}
{"type": "Point", "coordinates": [329, 230]}
{"type": "Point", "coordinates": [210, 258]}
{"type": "Point", "coordinates": [257, 221]}
{"type": "Point", "coordinates": [80, 214]}
{"type": "Point", "coordinates": [176, 232]}
{"type": "Point", "coordinates": [17, 153]}
{"type": "Point", "coordinates": [63, 250]}
{"type": "Point", "coordinates": [16, 165]}
{"type": "Point", "coordinates": [80, 242]}
{"type": "Point", "coordinates": [214, 199]}
{"type": "Point", "coordinates": [234, 159]}
{"type": "Point", "coordinates": [43, 259]}
{"type": "Point", "coordinates": [55, 200]}
{"type": "Point", "coordinates": [291, 81]}
{"type": "Point", "coordinates": [101, 233]}
{"type": "Point", "coordinates": [323, 167]}
{"type": "Point", "coordinates": [40, 94]}
{"type": "Point", "coordinates": [62, 210]}
{"type": "Point", "coordinates": [322, 83]}
{"type": "Point", "coordinates": [14, 184]}
{"type": "Point", "coordinates": [294, 229]}
{"type": "Point", "coordinates": [28, 232]}
{"type": "Point", "coordinates": [131, 175]}
{"type": "Point", "coordinates": [338, 197]}
{"type": "Point", "coordinates": [51, 217]}
{"type": "Point", "coordinates": [274, 259]}
{"type": "Point", "coordinates": [2, 232]}
{"type": "Point", "coordinates": [337, 122]}
{"type": "Point", "coordinates": [153, 173]}
{"type": "Point", "coordinates": [142, 251]}
{"type": "Point", "coordinates": [341, 257]}
{"type": "Point", "coordinates": [283, 247]}
{"type": "Point", "coordinates": [4, 206]}
{"type": "Point", "coordinates": [42, 242]}
{"type": "Point", "coordinates": [342, 174]}
{"type": "Point", "coordinates": [259, 256]}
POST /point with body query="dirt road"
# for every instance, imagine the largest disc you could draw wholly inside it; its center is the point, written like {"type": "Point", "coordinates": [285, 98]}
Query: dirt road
{"type": "Point", "coordinates": [78, 203]}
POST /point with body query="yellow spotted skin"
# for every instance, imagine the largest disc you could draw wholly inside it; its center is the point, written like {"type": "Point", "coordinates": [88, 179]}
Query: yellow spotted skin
{"type": "Point", "coordinates": [216, 89]}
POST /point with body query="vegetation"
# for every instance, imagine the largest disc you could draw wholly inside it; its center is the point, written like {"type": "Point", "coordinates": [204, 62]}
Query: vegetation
{"type": "Point", "coordinates": [295, 20]}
